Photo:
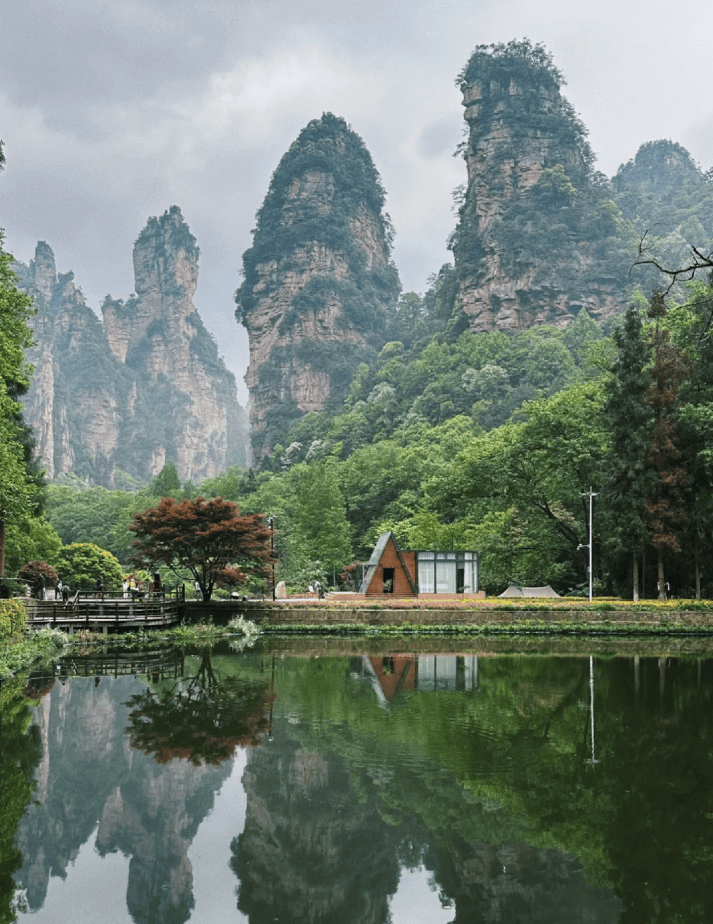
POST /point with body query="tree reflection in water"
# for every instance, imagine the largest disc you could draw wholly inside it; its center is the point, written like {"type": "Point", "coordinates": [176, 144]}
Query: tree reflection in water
{"type": "Point", "coordinates": [20, 753]}
{"type": "Point", "coordinates": [201, 719]}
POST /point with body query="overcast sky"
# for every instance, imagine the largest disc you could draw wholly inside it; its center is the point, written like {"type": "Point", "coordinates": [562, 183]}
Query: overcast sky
{"type": "Point", "coordinates": [113, 110]}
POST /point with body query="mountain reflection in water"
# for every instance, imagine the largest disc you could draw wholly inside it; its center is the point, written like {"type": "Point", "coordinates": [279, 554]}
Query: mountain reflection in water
{"type": "Point", "coordinates": [432, 787]}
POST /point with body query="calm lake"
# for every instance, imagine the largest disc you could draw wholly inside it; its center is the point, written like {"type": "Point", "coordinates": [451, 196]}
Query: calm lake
{"type": "Point", "coordinates": [340, 782]}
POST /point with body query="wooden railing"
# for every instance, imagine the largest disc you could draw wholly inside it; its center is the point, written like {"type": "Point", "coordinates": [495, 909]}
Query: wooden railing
{"type": "Point", "coordinates": [102, 610]}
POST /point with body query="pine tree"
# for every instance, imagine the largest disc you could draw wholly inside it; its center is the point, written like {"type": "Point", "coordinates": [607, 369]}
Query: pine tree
{"type": "Point", "coordinates": [628, 481]}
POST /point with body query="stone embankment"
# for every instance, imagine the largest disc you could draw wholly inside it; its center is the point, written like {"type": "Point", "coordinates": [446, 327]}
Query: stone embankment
{"type": "Point", "coordinates": [564, 616]}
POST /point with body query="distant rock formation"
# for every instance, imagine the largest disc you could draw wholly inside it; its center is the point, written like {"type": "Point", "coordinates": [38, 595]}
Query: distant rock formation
{"type": "Point", "coordinates": [539, 236]}
{"type": "Point", "coordinates": [144, 388]}
{"type": "Point", "coordinates": [319, 286]}
{"type": "Point", "coordinates": [126, 801]}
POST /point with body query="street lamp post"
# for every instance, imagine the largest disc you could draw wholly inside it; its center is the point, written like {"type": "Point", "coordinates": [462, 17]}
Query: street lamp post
{"type": "Point", "coordinates": [589, 545]}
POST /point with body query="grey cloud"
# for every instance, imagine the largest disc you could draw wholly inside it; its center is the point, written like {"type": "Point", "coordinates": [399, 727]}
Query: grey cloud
{"type": "Point", "coordinates": [439, 137]}
{"type": "Point", "coordinates": [113, 110]}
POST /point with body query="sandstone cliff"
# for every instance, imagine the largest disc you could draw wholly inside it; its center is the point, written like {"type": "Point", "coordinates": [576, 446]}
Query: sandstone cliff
{"type": "Point", "coordinates": [144, 388]}
{"type": "Point", "coordinates": [319, 285]}
{"type": "Point", "coordinates": [539, 236]}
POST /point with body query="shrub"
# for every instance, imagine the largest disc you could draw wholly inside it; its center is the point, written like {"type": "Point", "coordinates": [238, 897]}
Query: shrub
{"type": "Point", "coordinates": [13, 619]}
{"type": "Point", "coordinates": [82, 564]}
{"type": "Point", "coordinates": [33, 571]}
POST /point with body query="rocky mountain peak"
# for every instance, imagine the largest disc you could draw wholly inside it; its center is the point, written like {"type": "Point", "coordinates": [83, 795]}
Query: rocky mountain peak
{"type": "Point", "coordinates": [43, 270]}
{"type": "Point", "coordinates": [534, 217]}
{"type": "Point", "coordinates": [166, 257]}
{"type": "Point", "coordinates": [319, 283]}
{"type": "Point", "coordinates": [144, 388]}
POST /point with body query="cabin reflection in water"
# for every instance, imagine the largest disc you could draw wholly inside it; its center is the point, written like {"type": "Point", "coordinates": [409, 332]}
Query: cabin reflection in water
{"type": "Point", "coordinates": [391, 675]}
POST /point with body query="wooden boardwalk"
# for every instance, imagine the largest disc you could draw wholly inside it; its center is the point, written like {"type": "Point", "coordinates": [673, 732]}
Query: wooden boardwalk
{"type": "Point", "coordinates": [104, 613]}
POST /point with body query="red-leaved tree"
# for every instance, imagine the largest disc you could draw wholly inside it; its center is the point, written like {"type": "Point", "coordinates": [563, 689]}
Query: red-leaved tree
{"type": "Point", "coordinates": [209, 538]}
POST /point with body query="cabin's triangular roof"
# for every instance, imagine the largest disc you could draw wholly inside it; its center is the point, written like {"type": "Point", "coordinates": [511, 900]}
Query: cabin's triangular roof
{"type": "Point", "coordinates": [376, 557]}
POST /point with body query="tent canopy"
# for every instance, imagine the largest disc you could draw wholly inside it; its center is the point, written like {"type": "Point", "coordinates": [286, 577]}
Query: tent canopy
{"type": "Point", "coordinates": [515, 590]}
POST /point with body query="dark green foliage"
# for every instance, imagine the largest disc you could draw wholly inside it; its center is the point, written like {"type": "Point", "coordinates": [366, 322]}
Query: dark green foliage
{"type": "Point", "coordinates": [486, 376]}
{"type": "Point", "coordinates": [233, 484]}
{"type": "Point", "coordinates": [21, 480]}
{"type": "Point", "coordinates": [627, 481]}
{"type": "Point", "coordinates": [520, 59]}
{"type": "Point", "coordinates": [166, 483]}
{"type": "Point", "coordinates": [21, 749]}
{"type": "Point", "coordinates": [665, 512]}
{"type": "Point", "coordinates": [531, 67]}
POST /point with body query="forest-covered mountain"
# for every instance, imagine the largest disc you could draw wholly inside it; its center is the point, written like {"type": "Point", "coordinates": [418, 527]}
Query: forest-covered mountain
{"type": "Point", "coordinates": [319, 286]}
{"type": "Point", "coordinates": [540, 237]}
{"type": "Point", "coordinates": [144, 388]}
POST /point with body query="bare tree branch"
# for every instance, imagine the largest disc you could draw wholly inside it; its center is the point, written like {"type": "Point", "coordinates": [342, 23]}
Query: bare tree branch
{"type": "Point", "coordinates": [698, 259]}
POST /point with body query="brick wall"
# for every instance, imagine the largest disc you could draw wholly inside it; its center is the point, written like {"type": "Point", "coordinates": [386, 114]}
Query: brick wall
{"type": "Point", "coordinates": [390, 559]}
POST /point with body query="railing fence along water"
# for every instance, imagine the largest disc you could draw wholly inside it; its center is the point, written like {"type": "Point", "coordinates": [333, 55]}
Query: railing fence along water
{"type": "Point", "coordinates": [106, 609]}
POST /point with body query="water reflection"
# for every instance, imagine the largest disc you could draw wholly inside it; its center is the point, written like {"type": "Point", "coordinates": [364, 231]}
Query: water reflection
{"type": "Point", "coordinates": [202, 718]}
{"type": "Point", "coordinates": [366, 787]}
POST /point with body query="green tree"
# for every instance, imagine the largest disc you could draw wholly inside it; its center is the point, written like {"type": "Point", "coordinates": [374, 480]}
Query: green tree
{"type": "Point", "coordinates": [33, 539]}
{"type": "Point", "coordinates": [690, 329]}
{"type": "Point", "coordinates": [233, 484]}
{"type": "Point", "coordinates": [627, 480]}
{"type": "Point", "coordinates": [82, 564]}
{"type": "Point", "coordinates": [19, 481]}
{"type": "Point", "coordinates": [410, 323]}
{"type": "Point", "coordinates": [320, 528]}
{"type": "Point", "coordinates": [531, 476]}
{"type": "Point", "coordinates": [665, 511]}
{"type": "Point", "coordinates": [90, 513]}
{"type": "Point", "coordinates": [167, 483]}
